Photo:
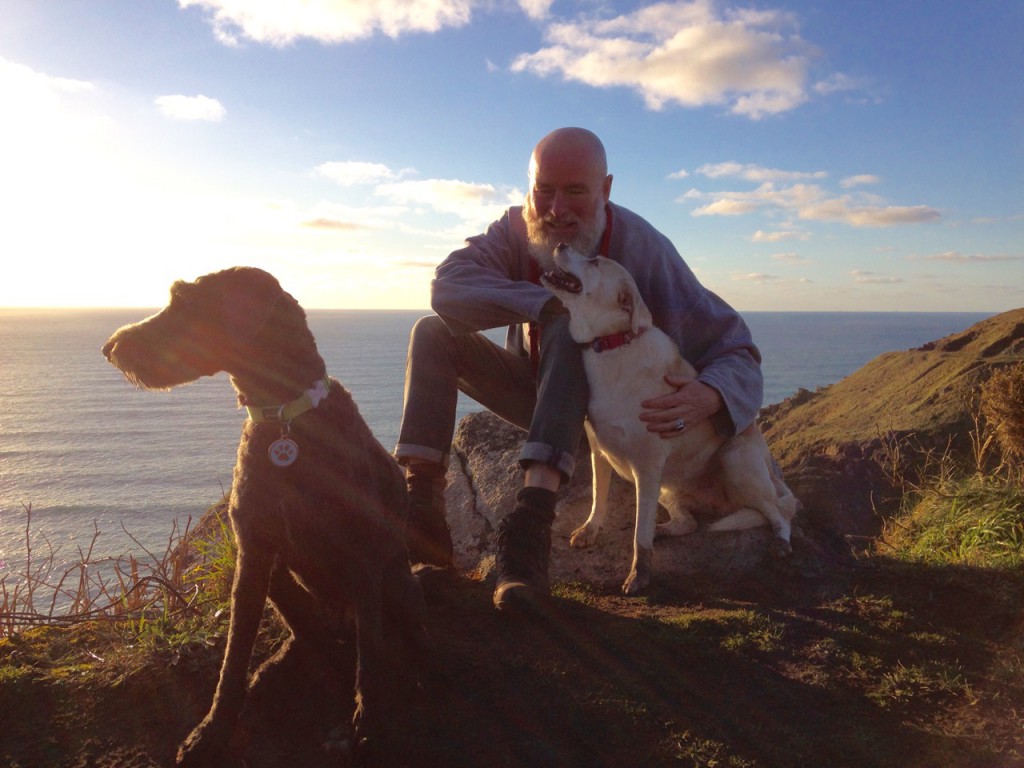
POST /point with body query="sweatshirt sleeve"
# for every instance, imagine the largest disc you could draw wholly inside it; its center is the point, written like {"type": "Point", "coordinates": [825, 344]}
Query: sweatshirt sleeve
{"type": "Point", "coordinates": [486, 283]}
{"type": "Point", "coordinates": [711, 335]}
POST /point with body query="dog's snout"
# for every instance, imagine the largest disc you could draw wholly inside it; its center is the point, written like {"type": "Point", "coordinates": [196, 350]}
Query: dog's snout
{"type": "Point", "coordinates": [108, 348]}
{"type": "Point", "coordinates": [561, 248]}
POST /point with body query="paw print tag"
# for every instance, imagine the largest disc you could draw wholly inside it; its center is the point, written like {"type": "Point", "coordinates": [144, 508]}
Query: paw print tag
{"type": "Point", "coordinates": [283, 452]}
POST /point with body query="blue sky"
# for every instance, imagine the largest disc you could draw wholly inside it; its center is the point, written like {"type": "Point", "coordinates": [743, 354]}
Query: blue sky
{"type": "Point", "coordinates": [801, 155]}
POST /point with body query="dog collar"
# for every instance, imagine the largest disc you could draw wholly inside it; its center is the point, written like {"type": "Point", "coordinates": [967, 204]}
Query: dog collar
{"type": "Point", "coordinates": [612, 341]}
{"type": "Point", "coordinates": [284, 413]}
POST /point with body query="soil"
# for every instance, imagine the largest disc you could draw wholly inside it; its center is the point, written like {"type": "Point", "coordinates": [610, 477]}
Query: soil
{"type": "Point", "coordinates": [868, 663]}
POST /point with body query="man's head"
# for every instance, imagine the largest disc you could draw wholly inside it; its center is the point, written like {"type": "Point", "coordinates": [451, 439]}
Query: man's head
{"type": "Point", "coordinates": [569, 187]}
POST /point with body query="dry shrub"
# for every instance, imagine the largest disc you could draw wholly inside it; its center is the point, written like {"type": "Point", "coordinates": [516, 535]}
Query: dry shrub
{"type": "Point", "coordinates": [1002, 405]}
{"type": "Point", "coordinates": [190, 578]}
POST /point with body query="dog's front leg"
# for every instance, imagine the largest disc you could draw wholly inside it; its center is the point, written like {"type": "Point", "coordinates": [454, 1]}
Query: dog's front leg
{"type": "Point", "coordinates": [648, 486]}
{"type": "Point", "coordinates": [373, 698]}
{"type": "Point", "coordinates": [587, 533]}
{"type": "Point", "coordinates": [205, 746]}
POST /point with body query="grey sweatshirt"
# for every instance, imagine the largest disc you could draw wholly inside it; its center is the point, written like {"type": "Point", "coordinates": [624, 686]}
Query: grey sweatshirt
{"type": "Point", "coordinates": [487, 284]}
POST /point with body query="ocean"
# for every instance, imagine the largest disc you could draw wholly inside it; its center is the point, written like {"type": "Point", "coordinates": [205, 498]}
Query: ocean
{"type": "Point", "coordinates": [88, 452]}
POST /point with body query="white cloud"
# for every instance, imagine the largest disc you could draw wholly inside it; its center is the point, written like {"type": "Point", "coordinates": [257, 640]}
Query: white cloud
{"type": "Point", "coordinates": [863, 277]}
{"type": "Point", "coordinates": [856, 181]}
{"type": "Point", "coordinates": [336, 217]}
{"type": "Point", "coordinates": [35, 110]}
{"type": "Point", "coordinates": [956, 257]}
{"type": "Point", "coordinates": [22, 87]}
{"type": "Point", "coordinates": [727, 207]}
{"type": "Point", "coordinates": [838, 82]}
{"type": "Point", "coordinates": [685, 53]}
{"type": "Point", "coordinates": [755, 277]}
{"type": "Point", "coordinates": [682, 173]}
{"type": "Point", "coordinates": [470, 201]}
{"type": "Point", "coordinates": [749, 172]}
{"type": "Point", "coordinates": [805, 202]}
{"type": "Point", "coordinates": [842, 210]}
{"type": "Point", "coordinates": [790, 258]}
{"type": "Point", "coordinates": [331, 21]}
{"type": "Point", "coordinates": [760, 236]}
{"type": "Point", "coordinates": [191, 108]}
{"type": "Point", "coordinates": [473, 203]}
{"type": "Point", "coordinates": [352, 173]}
{"type": "Point", "coordinates": [536, 9]}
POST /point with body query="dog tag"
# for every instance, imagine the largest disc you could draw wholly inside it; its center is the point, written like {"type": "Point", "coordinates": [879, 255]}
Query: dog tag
{"type": "Point", "coordinates": [283, 452]}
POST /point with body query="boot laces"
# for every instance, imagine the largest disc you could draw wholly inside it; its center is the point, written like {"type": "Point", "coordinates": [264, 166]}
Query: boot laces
{"type": "Point", "coordinates": [522, 544]}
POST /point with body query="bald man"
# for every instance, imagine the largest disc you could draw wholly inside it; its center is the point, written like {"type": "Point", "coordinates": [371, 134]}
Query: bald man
{"type": "Point", "coordinates": [536, 380]}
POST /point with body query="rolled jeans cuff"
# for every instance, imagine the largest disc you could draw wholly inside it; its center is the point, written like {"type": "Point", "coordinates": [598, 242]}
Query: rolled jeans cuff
{"type": "Point", "coordinates": [545, 454]}
{"type": "Point", "coordinates": [404, 452]}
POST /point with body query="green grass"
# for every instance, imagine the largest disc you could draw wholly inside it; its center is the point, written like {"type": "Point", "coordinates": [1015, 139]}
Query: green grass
{"type": "Point", "coordinates": [976, 521]}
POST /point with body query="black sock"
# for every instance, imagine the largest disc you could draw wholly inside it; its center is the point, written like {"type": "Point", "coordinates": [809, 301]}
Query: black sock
{"type": "Point", "coordinates": [539, 503]}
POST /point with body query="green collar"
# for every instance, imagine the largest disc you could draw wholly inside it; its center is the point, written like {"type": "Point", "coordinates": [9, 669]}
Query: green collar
{"type": "Point", "coordinates": [284, 413]}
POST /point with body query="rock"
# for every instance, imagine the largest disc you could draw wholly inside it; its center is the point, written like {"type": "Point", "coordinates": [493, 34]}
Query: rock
{"type": "Point", "coordinates": [484, 477]}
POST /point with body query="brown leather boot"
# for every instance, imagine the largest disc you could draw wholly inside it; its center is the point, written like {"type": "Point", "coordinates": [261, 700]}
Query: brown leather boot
{"type": "Point", "coordinates": [429, 539]}
{"type": "Point", "coordinates": [523, 544]}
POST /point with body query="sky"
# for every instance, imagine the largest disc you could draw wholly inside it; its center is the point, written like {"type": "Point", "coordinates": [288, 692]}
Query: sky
{"type": "Point", "coordinates": [802, 156]}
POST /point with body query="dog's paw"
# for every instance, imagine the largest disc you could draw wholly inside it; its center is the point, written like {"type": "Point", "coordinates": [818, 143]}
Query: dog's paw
{"type": "Point", "coordinates": [635, 583]}
{"type": "Point", "coordinates": [780, 548]}
{"type": "Point", "coordinates": [202, 750]}
{"type": "Point", "coordinates": [584, 536]}
{"type": "Point", "coordinates": [675, 528]}
{"type": "Point", "coordinates": [339, 745]}
{"type": "Point", "coordinates": [640, 574]}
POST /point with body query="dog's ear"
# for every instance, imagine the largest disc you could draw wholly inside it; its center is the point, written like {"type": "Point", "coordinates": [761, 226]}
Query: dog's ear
{"type": "Point", "coordinates": [631, 303]}
{"type": "Point", "coordinates": [249, 297]}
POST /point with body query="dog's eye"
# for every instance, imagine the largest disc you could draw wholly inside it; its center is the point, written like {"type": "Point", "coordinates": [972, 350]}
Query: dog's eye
{"type": "Point", "coordinates": [182, 296]}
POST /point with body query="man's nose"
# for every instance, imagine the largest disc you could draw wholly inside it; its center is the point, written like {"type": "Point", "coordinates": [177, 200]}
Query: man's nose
{"type": "Point", "coordinates": [559, 203]}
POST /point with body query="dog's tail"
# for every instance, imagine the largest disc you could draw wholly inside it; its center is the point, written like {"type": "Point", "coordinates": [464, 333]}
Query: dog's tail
{"type": "Point", "coordinates": [740, 520]}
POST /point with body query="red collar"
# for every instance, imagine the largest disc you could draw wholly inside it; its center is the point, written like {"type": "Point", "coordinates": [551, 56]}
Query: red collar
{"type": "Point", "coordinates": [612, 341]}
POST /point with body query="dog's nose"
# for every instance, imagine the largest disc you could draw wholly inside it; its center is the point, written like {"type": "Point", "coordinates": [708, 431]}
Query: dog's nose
{"type": "Point", "coordinates": [107, 349]}
{"type": "Point", "coordinates": [561, 248]}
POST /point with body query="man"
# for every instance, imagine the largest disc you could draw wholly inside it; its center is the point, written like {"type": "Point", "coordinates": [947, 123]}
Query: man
{"type": "Point", "coordinates": [537, 380]}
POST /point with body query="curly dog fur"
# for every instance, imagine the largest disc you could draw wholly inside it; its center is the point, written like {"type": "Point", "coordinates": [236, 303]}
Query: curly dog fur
{"type": "Point", "coordinates": [322, 537]}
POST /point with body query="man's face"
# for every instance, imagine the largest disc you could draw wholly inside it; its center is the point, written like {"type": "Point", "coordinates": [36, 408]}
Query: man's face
{"type": "Point", "coordinates": [565, 204]}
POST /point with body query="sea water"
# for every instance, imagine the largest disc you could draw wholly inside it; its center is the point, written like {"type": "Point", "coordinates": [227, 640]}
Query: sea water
{"type": "Point", "coordinates": [88, 452]}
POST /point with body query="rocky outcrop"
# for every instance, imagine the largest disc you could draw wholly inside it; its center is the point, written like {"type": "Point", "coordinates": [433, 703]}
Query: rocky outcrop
{"type": "Point", "coordinates": [847, 448]}
{"type": "Point", "coordinates": [484, 477]}
{"type": "Point", "coordinates": [842, 450]}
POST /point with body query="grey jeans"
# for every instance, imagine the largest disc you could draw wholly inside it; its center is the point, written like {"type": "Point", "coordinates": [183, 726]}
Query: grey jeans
{"type": "Point", "coordinates": [550, 405]}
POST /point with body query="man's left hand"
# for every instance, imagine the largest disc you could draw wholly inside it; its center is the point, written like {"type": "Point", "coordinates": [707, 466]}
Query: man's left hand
{"type": "Point", "coordinates": [691, 402]}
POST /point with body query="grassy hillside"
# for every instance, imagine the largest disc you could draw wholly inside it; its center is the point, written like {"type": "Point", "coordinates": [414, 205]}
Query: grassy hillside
{"type": "Point", "coordinates": [894, 658]}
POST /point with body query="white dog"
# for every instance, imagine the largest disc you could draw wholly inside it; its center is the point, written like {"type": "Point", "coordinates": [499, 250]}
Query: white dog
{"type": "Point", "coordinates": [734, 478]}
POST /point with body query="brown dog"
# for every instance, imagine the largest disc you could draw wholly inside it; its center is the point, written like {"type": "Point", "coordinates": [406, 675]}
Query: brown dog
{"type": "Point", "coordinates": [317, 505]}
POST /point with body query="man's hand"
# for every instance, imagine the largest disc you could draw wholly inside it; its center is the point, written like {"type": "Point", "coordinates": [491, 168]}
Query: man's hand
{"type": "Point", "coordinates": [692, 401]}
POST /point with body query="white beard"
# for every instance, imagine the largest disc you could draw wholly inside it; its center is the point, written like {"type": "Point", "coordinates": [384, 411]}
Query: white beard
{"type": "Point", "coordinates": [542, 245]}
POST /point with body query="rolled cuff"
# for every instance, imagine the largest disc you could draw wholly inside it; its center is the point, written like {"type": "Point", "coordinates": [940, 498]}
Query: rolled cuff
{"type": "Point", "coordinates": [404, 452]}
{"type": "Point", "coordinates": [564, 462]}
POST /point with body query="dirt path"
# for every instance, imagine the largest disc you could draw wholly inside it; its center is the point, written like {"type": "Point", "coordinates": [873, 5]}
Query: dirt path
{"type": "Point", "coordinates": [877, 664]}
